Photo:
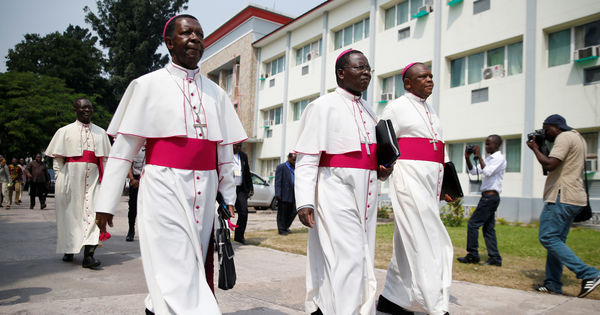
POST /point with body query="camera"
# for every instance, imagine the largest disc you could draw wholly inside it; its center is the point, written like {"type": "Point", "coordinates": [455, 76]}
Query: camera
{"type": "Point", "coordinates": [539, 136]}
{"type": "Point", "coordinates": [470, 149]}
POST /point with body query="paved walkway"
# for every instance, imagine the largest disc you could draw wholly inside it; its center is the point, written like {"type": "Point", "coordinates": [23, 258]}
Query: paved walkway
{"type": "Point", "coordinates": [34, 280]}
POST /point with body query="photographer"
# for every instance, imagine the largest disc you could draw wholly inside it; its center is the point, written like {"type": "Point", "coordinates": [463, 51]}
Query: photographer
{"type": "Point", "coordinates": [565, 197]}
{"type": "Point", "coordinates": [492, 169]}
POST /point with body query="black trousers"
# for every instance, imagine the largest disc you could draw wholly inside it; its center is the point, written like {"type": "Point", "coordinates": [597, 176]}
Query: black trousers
{"type": "Point", "coordinates": [484, 215]}
{"type": "Point", "coordinates": [286, 213]}
{"type": "Point", "coordinates": [241, 207]}
{"type": "Point", "coordinates": [133, 196]}
{"type": "Point", "coordinates": [37, 189]}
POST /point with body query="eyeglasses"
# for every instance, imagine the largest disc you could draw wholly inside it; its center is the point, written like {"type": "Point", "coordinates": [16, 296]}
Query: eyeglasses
{"type": "Point", "coordinates": [361, 68]}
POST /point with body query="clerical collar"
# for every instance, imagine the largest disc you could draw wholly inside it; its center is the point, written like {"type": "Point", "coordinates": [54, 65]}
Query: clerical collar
{"type": "Point", "coordinates": [348, 95]}
{"type": "Point", "coordinates": [181, 72]}
{"type": "Point", "coordinates": [416, 98]}
{"type": "Point", "coordinates": [82, 124]}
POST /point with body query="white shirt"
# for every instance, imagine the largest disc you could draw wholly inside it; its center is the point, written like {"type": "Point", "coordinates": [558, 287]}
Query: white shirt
{"type": "Point", "coordinates": [493, 172]}
{"type": "Point", "coordinates": [237, 169]}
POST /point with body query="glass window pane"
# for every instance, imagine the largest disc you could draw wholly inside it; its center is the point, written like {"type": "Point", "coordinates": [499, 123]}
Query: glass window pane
{"type": "Point", "coordinates": [390, 16]}
{"type": "Point", "coordinates": [385, 86]}
{"type": "Point", "coordinates": [495, 56]}
{"type": "Point", "coordinates": [280, 64]}
{"type": "Point", "coordinates": [348, 35]}
{"type": "Point", "coordinates": [358, 31]}
{"type": "Point", "coordinates": [338, 40]}
{"type": "Point", "coordinates": [367, 27]}
{"type": "Point", "coordinates": [277, 115]}
{"type": "Point", "coordinates": [513, 155]}
{"type": "Point", "coordinates": [398, 86]}
{"type": "Point", "coordinates": [457, 156]}
{"type": "Point", "coordinates": [306, 51]}
{"type": "Point", "coordinates": [298, 56]}
{"type": "Point", "coordinates": [592, 34]}
{"type": "Point", "coordinates": [559, 48]}
{"type": "Point", "coordinates": [402, 12]}
{"type": "Point", "coordinates": [475, 67]}
{"type": "Point", "coordinates": [457, 72]}
{"type": "Point", "coordinates": [515, 58]}
{"type": "Point", "coordinates": [273, 67]}
{"type": "Point", "coordinates": [320, 47]}
{"type": "Point", "coordinates": [414, 6]}
{"type": "Point", "coordinates": [591, 139]}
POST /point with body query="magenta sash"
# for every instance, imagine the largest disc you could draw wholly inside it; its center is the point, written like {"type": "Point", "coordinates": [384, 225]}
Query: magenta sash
{"type": "Point", "coordinates": [88, 157]}
{"type": "Point", "coordinates": [420, 149]}
{"type": "Point", "coordinates": [182, 153]}
{"type": "Point", "coordinates": [352, 159]}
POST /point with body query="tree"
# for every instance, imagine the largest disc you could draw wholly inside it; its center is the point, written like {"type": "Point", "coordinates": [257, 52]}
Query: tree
{"type": "Point", "coordinates": [71, 56]}
{"type": "Point", "coordinates": [33, 107]}
{"type": "Point", "coordinates": [131, 30]}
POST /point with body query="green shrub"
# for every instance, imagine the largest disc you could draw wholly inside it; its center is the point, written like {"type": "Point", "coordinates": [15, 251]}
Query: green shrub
{"type": "Point", "coordinates": [452, 214]}
{"type": "Point", "coordinates": [384, 212]}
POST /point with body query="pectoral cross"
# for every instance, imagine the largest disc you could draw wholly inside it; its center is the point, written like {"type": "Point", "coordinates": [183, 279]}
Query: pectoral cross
{"type": "Point", "coordinates": [434, 144]}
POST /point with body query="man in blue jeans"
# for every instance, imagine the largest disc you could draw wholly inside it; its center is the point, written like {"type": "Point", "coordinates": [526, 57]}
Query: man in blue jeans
{"type": "Point", "coordinates": [492, 169]}
{"type": "Point", "coordinates": [565, 197]}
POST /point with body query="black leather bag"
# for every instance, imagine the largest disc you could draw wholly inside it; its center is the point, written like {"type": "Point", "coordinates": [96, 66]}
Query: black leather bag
{"type": "Point", "coordinates": [227, 274]}
{"type": "Point", "coordinates": [450, 183]}
{"type": "Point", "coordinates": [585, 213]}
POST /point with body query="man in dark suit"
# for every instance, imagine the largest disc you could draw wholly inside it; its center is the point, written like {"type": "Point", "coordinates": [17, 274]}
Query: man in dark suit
{"type": "Point", "coordinates": [284, 191]}
{"type": "Point", "coordinates": [244, 189]}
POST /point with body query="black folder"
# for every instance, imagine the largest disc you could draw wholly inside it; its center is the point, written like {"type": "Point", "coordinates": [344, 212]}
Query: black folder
{"type": "Point", "coordinates": [450, 183]}
{"type": "Point", "coordinates": [387, 144]}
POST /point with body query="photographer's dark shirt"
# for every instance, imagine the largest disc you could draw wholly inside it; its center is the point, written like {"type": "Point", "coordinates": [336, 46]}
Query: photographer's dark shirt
{"type": "Point", "coordinates": [570, 148]}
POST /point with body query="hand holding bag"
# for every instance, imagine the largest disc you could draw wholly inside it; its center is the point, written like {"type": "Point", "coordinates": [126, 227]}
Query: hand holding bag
{"type": "Point", "coordinates": [227, 274]}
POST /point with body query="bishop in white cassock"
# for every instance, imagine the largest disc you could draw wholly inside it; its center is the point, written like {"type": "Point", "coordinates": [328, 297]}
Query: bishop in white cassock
{"type": "Point", "coordinates": [336, 193]}
{"type": "Point", "coordinates": [420, 271]}
{"type": "Point", "coordinates": [79, 150]}
{"type": "Point", "coordinates": [188, 125]}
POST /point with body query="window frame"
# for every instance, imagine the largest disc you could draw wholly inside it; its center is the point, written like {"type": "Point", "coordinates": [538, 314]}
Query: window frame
{"type": "Point", "coordinates": [340, 35]}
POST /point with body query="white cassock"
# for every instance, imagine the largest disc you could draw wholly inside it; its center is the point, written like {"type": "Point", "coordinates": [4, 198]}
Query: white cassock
{"type": "Point", "coordinates": [336, 176]}
{"type": "Point", "coordinates": [77, 150]}
{"type": "Point", "coordinates": [420, 271]}
{"type": "Point", "coordinates": [189, 125]}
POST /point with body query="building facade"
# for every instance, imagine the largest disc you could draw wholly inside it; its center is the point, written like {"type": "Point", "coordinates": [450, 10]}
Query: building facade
{"type": "Point", "coordinates": [500, 67]}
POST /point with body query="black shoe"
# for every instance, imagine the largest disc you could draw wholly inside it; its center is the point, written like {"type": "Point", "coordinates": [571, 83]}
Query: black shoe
{"type": "Point", "coordinates": [317, 312]}
{"type": "Point", "coordinates": [468, 259]}
{"type": "Point", "coordinates": [288, 230]}
{"type": "Point", "coordinates": [88, 257]}
{"type": "Point", "coordinates": [542, 288]}
{"type": "Point", "coordinates": [148, 312]}
{"type": "Point", "coordinates": [43, 206]}
{"type": "Point", "coordinates": [283, 233]}
{"type": "Point", "coordinates": [386, 306]}
{"type": "Point", "coordinates": [130, 236]}
{"type": "Point", "coordinates": [68, 257]}
{"type": "Point", "coordinates": [31, 207]}
{"type": "Point", "coordinates": [588, 285]}
{"type": "Point", "coordinates": [493, 262]}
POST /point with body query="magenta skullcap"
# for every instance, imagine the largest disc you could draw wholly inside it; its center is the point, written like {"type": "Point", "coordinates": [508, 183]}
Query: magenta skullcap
{"type": "Point", "coordinates": [406, 68]}
{"type": "Point", "coordinates": [166, 24]}
{"type": "Point", "coordinates": [343, 53]}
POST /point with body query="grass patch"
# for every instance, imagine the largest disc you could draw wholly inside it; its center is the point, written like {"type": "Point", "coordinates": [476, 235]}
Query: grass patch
{"type": "Point", "coordinates": [523, 257]}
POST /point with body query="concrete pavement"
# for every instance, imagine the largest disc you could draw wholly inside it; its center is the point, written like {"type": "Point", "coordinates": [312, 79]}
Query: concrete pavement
{"type": "Point", "coordinates": [34, 280]}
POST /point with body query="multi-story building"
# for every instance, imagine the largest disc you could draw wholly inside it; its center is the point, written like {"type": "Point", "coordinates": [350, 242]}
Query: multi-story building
{"type": "Point", "coordinates": [500, 67]}
{"type": "Point", "coordinates": [230, 60]}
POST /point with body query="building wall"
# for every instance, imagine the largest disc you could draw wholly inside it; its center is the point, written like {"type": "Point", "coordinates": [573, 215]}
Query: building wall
{"type": "Point", "coordinates": [557, 89]}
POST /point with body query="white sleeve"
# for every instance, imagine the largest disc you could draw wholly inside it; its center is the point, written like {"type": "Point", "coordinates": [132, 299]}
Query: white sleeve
{"type": "Point", "coordinates": [116, 170]}
{"type": "Point", "coordinates": [58, 164]}
{"type": "Point", "coordinates": [305, 182]}
{"type": "Point", "coordinates": [225, 171]}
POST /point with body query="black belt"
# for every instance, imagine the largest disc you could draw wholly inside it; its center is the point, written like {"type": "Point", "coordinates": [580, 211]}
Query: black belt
{"type": "Point", "coordinates": [489, 192]}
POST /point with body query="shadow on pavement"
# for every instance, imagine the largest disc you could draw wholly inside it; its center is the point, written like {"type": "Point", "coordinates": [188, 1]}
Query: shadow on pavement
{"type": "Point", "coordinates": [257, 310]}
{"type": "Point", "coordinates": [17, 296]}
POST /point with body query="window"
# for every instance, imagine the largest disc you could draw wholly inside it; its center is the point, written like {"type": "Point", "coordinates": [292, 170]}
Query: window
{"type": "Point", "coordinates": [305, 70]}
{"type": "Point", "coordinates": [299, 107]}
{"type": "Point", "coordinates": [351, 34]}
{"type": "Point", "coordinates": [559, 48]}
{"type": "Point", "coordinates": [457, 72]}
{"type": "Point", "coordinates": [591, 75]}
{"type": "Point", "coordinates": [513, 155]}
{"type": "Point", "coordinates": [396, 15]}
{"type": "Point", "coordinates": [591, 139]}
{"type": "Point", "coordinates": [414, 6]}
{"type": "Point", "coordinates": [393, 85]}
{"type": "Point", "coordinates": [479, 95]}
{"type": "Point", "coordinates": [272, 116]}
{"type": "Point", "coordinates": [457, 155]}
{"type": "Point", "coordinates": [404, 33]}
{"type": "Point", "coordinates": [268, 167]}
{"type": "Point", "coordinates": [276, 65]}
{"type": "Point", "coordinates": [587, 35]}
{"type": "Point", "coordinates": [309, 51]}
{"type": "Point", "coordinates": [480, 6]}
{"type": "Point", "coordinates": [475, 63]}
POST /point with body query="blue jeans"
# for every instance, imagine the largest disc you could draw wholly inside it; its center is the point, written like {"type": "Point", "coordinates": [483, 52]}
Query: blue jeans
{"type": "Point", "coordinates": [555, 222]}
{"type": "Point", "coordinates": [484, 215]}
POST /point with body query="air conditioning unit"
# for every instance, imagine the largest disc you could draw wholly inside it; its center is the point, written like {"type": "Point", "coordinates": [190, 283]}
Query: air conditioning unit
{"type": "Point", "coordinates": [496, 71]}
{"type": "Point", "coordinates": [591, 165]}
{"type": "Point", "coordinates": [586, 52]}
{"type": "Point", "coordinates": [387, 96]}
{"type": "Point", "coordinates": [426, 8]}
{"type": "Point", "coordinates": [268, 123]}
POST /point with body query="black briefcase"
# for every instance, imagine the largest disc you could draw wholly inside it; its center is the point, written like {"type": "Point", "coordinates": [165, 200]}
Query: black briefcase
{"type": "Point", "coordinates": [451, 184]}
{"type": "Point", "coordinates": [227, 274]}
{"type": "Point", "coordinates": [388, 150]}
